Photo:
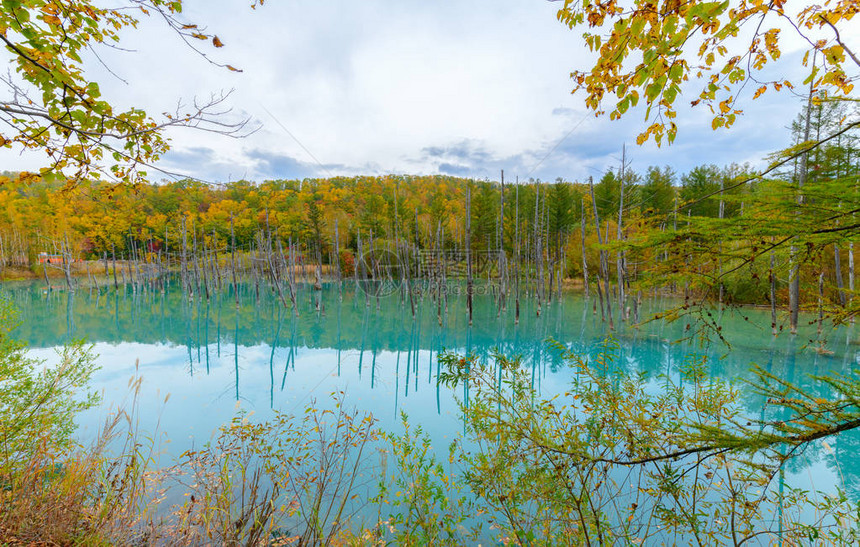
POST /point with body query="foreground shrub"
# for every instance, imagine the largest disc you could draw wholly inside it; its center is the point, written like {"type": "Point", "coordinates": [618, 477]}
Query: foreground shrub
{"type": "Point", "coordinates": [623, 459]}
{"type": "Point", "coordinates": [288, 480]}
{"type": "Point", "coordinates": [54, 489]}
{"type": "Point", "coordinates": [420, 503]}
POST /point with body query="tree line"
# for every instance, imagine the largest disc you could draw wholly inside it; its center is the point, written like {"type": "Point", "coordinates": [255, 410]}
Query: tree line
{"type": "Point", "coordinates": [729, 232]}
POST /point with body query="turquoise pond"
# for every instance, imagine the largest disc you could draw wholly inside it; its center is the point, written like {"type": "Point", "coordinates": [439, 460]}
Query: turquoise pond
{"type": "Point", "coordinates": [213, 357]}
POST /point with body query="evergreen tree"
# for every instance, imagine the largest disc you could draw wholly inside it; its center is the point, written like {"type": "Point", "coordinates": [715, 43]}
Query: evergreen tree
{"type": "Point", "coordinates": [700, 182]}
{"type": "Point", "coordinates": [658, 192]}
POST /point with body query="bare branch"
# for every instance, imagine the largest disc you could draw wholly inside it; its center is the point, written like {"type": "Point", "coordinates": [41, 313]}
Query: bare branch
{"type": "Point", "coordinates": [840, 42]}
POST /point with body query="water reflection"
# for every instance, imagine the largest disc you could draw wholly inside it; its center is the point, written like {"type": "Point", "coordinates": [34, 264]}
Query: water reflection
{"type": "Point", "coordinates": [385, 360]}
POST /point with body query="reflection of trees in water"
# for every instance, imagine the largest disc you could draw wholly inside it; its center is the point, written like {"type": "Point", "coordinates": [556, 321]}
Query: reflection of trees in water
{"type": "Point", "coordinates": [846, 454]}
{"type": "Point", "coordinates": [846, 446]}
{"type": "Point", "coordinates": [123, 316]}
{"type": "Point", "coordinates": [344, 322]}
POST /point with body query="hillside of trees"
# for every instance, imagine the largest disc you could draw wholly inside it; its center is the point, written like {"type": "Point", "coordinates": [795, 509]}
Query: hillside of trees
{"type": "Point", "coordinates": [720, 232]}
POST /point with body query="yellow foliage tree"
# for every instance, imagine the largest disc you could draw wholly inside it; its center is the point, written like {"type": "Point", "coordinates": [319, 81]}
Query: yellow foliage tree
{"type": "Point", "coordinates": [651, 49]}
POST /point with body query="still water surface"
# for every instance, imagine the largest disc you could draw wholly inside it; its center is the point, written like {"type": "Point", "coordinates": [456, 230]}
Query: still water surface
{"type": "Point", "coordinates": [213, 357]}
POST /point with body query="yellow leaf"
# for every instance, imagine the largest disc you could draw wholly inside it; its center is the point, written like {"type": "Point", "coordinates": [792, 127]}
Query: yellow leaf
{"type": "Point", "coordinates": [835, 54]}
{"type": "Point", "coordinates": [216, 42]}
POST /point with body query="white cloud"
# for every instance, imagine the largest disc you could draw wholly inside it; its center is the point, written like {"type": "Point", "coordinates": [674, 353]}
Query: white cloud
{"type": "Point", "coordinates": [370, 87]}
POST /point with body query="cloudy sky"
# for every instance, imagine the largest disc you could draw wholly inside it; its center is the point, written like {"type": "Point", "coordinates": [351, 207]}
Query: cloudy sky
{"type": "Point", "coordinates": [373, 87]}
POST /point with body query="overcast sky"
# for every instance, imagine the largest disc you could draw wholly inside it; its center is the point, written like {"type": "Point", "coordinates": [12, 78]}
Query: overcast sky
{"type": "Point", "coordinates": [410, 87]}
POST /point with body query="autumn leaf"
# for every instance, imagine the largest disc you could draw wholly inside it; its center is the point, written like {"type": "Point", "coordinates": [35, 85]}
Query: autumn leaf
{"type": "Point", "coordinates": [216, 42]}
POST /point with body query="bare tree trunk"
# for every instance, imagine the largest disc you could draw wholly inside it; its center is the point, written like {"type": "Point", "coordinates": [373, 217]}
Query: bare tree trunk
{"type": "Point", "coordinates": [232, 256]}
{"type": "Point", "coordinates": [113, 255]}
{"type": "Point", "coordinates": [45, 272]}
{"type": "Point", "coordinates": [67, 266]}
{"type": "Point", "coordinates": [584, 258]}
{"type": "Point", "coordinates": [407, 272]}
{"type": "Point", "coordinates": [202, 264]}
{"type": "Point", "coordinates": [90, 276]}
{"type": "Point", "coordinates": [500, 244]}
{"type": "Point", "coordinates": [721, 214]}
{"type": "Point", "coordinates": [440, 269]}
{"type": "Point", "coordinates": [274, 274]}
{"type": "Point", "coordinates": [851, 273]}
{"type": "Point", "coordinates": [604, 268]}
{"type": "Point", "coordinates": [469, 252]}
{"type": "Point", "coordinates": [194, 257]}
{"type": "Point", "coordinates": [538, 252]}
{"type": "Point", "coordinates": [620, 237]}
{"type": "Point", "coordinates": [337, 255]}
{"type": "Point", "coordinates": [772, 294]}
{"type": "Point", "coordinates": [183, 265]}
{"type": "Point", "coordinates": [794, 274]}
{"type": "Point", "coordinates": [290, 275]}
{"type": "Point", "coordinates": [562, 265]}
{"type": "Point", "coordinates": [517, 252]}
{"type": "Point", "coordinates": [820, 301]}
{"type": "Point", "coordinates": [837, 264]}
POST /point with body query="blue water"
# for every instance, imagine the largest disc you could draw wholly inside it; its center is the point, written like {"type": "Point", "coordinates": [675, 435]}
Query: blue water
{"type": "Point", "coordinates": [211, 357]}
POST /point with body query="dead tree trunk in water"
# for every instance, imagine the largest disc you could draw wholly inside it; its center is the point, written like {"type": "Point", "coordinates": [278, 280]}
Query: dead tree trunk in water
{"type": "Point", "coordinates": [721, 215]}
{"type": "Point", "coordinates": [772, 279]}
{"type": "Point", "coordinates": [500, 244]}
{"type": "Point", "coordinates": [113, 256]}
{"type": "Point", "coordinates": [820, 302]}
{"type": "Point", "coordinates": [232, 258]}
{"type": "Point", "coordinates": [337, 255]}
{"type": "Point", "coordinates": [203, 262]}
{"type": "Point", "coordinates": [851, 273]}
{"type": "Point", "coordinates": [517, 252]}
{"type": "Point", "coordinates": [45, 271]}
{"type": "Point", "coordinates": [620, 253]}
{"type": "Point", "coordinates": [838, 270]}
{"type": "Point", "coordinates": [440, 271]}
{"type": "Point", "coordinates": [469, 252]}
{"type": "Point", "coordinates": [584, 259]}
{"type": "Point", "coordinates": [408, 267]}
{"type": "Point", "coordinates": [604, 266]}
{"type": "Point", "coordinates": [194, 253]}
{"type": "Point", "coordinates": [183, 265]}
{"type": "Point", "coordinates": [67, 263]}
{"type": "Point", "coordinates": [538, 252]}
{"type": "Point", "coordinates": [794, 273]}
{"type": "Point", "coordinates": [290, 276]}
{"type": "Point", "coordinates": [837, 265]}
